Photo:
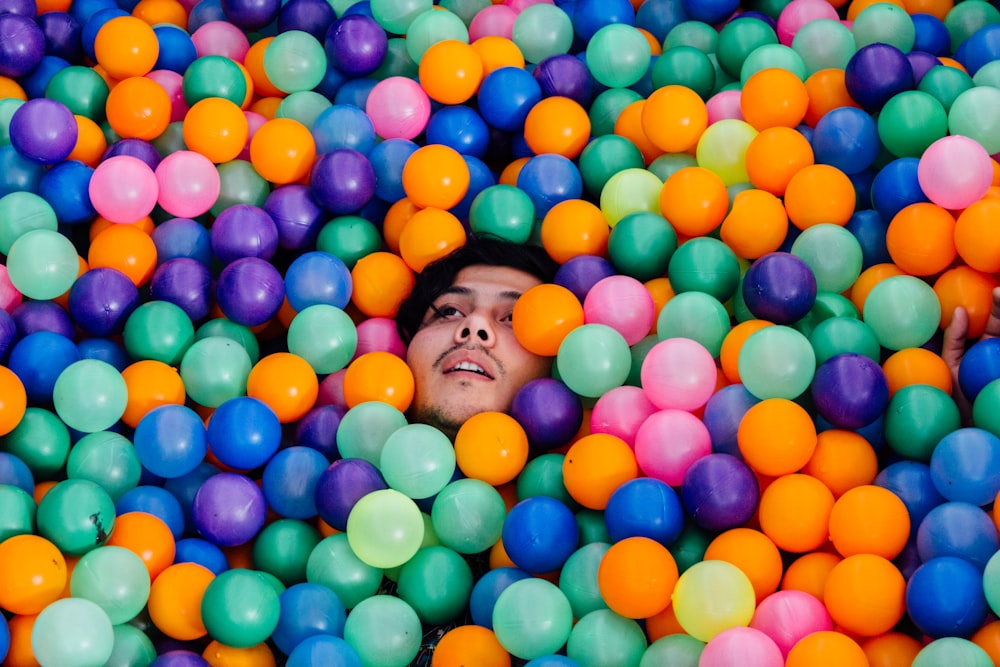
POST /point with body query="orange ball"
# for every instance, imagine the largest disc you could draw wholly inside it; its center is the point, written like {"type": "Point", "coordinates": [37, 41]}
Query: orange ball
{"type": "Point", "coordinates": [869, 519]}
{"type": "Point", "coordinates": [920, 239]}
{"type": "Point", "coordinates": [282, 150]}
{"type": "Point", "coordinates": [127, 249]}
{"type": "Point", "coordinates": [253, 61]}
{"type": "Point", "coordinates": [286, 383]}
{"type": "Point", "coordinates": [155, 12]}
{"type": "Point", "coordinates": [826, 648]}
{"type": "Point", "coordinates": [858, 6]}
{"type": "Point", "coordinates": [795, 512]}
{"type": "Point", "coordinates": [868, 279]}
{"type": "Point", "coordinates": [380, 281]}
{"type": "Point", "coordinates": [977, 239]}
{"type": "Point", "coordinates": [673, 118]}
{"type": "Point", "coordinates": [148, 537]}
{"type": "Point", "coordinates": [628, 124]}
{"type": "Point", "coordinates": [776, 437]}
{"type": "Point", "coordinates": [33, 574]}
{"type": "Point", "coordinates": [217, 128]}
{"type": "Point", "coordinates": [916, 365]}
{"type": "Point", "coordinates": [892, 649]}
{"type": "Point", "coordinates": [636, 577]}
{"type": "Point", "coordinates": [808, 573]}
{"type": "Point", "coordinates": [575, 227]}
{"type": "Point", "coordinates": [827, 89]}
{"type": "Point", "coordinates": [774, 97]}
{"type": "Point", "coordinates": [430, 234]}
{"type": "Point", "coordinates": [662, 292]}
{"type": "Point", "coordinates": [470, 645]}
{"type": "Point", "coordinates": [842, 460]}
{"type": "Point", "coordinates": [217, 654]}
{"type": "Point", "coordinates": [557, 125]}
{"type": "Point", "coordinates": [20, 653]}
{"type": "Point", "coordinates": [596, 465]}
{"type": "Point", "coordinates": [11, 88]}
{"type": "Point", "coordinates": [496, 52]}
{"type": "Point", "coordinates": [509, 174]}
{"type": "Point", "coordinates": [379, 376]}
{"type": "Point", "coordinates": [126, 46]}
{"type": "Point", "coordinates": [395, 221]}
{"type": "Point", "coordinates": [755, 225]}
{"type": "Point", "coordinates": [175, 600]}
{"type": "Point", "coordinates": [694, 200]}
{"type": "Point", "coordinates": [492, 447]}
{"type": "Point", "coordinates": [450, 71]}
{"type": "Point", "coordinates": [774, 156]}
{"type": "Point", "coordinates": [543, 316]}
{"type": "Point", "coordinates": [819, 193]}
{"type": "Point", "coordinates": [435, 175]}
{"type": "Point", "coordinates": [90, 142]}
{"type": "Point", "coordinates": [13, 400]}
{"type": "Point", "coordinates": [150, 383]}
{"type": "Point", "coordinates": [663, 624]}
{"type": "Point", "coordinates": [138, 108]}
{"type": "Point", "coordinates": [865, 594]}
{"type": "Point", "coordinates": [143, 224]}
{"type": "Point", "coordinates": [972, 290]}
{"type": "Point", "coordinates": [753, 553]}
{"type": "Point", "coordinates": [729, 354]}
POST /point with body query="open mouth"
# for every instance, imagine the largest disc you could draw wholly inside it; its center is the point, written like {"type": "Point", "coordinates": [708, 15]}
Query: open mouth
{"type": "Point", "coordinates": [469, 367]}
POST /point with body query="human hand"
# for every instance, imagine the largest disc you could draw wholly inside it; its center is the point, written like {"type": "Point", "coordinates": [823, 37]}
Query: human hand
{"type": "Point", "coordinates": [954, 343]}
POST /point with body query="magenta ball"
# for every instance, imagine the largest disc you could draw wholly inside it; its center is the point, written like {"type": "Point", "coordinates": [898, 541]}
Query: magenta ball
{"type": "Point", "coordinates": [741, 645]}
{"type": "Point", "coordinates": [188, 182]}
{"type": "Point", "coordinates": [229, 509]}
{"type": "Point", "coordinates": [398, 108]}
{"type": "Point", "coordinates": [620, 412]}
{"type": "Point", "coordinates": [379, 334]}
{"type": "Point", "coordinates": [678, 373]}
{"type": "Point", "coordinates": [789, 615]}
{"type": "Point", "coordinates": [955, 171]}
{"type": "Point", "coordinates": [43, 131]}
{"type": "Point", "coordinates": [495, 20]}
{"type": "Point", "coordinates": [123, 189]}
{"type": "Point", "coordinates": [624, 304]}
{"type": "Point", "coordinates": [549, 411]}
{"type": "Point", "coordinates": [669, 442]}
{"type": "Point", "coordinates": [250, 291]}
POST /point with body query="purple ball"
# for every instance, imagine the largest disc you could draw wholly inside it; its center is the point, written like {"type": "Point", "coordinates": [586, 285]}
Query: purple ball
{"type": "Point", "coordinates": [876, 73]}
{"type": "Point", "coordinates": [182, 237]}
{"type": "Point", "coordinates": [780, 288]}
{"type": "Point", "coordinates": [186, 283]}
{"type": "Point", "coordinates": [723, 414]}
{"type": "Point", "coordinates": [312, 16]}
{"type": "Point", "coordinates": [22, 45]}
{"type": "Point", "coordinates": [250, 291]}
{"type": "Point", "coordinates": [101, 300]}
{"type": "Point", "coordinates": [229, 509]}
{"type": "Point", "coordinates": [32, 316]}
{"type": "Point", "coordinates": [582, 272]}
{"type": "Point", "coordinates": [356, 45]}
{"type": "Point", "coordinates": [342, 485]}
{"type": "Point", "coordinates": [43, 130]}
{"type": "Point", "coordinates": [564, 75]}
{"type": "Point", "coordinates": [342, 180]}
{"type": "Point", "coordinates": [720, 492]}
{"type": "Point", "coordinates": [179, 658]}
{"type": "Point", "coordinates": [22, 7]}
{"type": "Point", "coordinates": [921, 62]}
{"type": "Point", "coordinates": [136, 148]}
{"type": "Point", "coordinates": [297, 215]}
{"type": "Point", "coordinates": [62, 35]}
{"type": "Point", "coordinates": [251, 14]}
{"type": "Point", "coordinates": [549, 411]}
{"type": "Point", "coordinates": [8, 333]}
{"type": "Point", "coordinates": [318, 430]}
{"type": "Point", "coordinates": [243, 230]}
{"type": "Point", "coordinates": [850, 390]}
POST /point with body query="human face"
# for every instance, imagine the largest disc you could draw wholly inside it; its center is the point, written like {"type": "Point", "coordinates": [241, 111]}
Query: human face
{"type": "Point", "coordinates": [464, 357]}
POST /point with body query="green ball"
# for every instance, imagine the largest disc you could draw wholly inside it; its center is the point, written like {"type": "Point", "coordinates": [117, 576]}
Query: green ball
{"type": "Point", "coordinates": [18, 517]}
{"type": "Point", "coordinates": [171, 141]}
{"type": "Point", "coordinates": [323, 335]}
{"type": "Point", "coordinates": [991, 582]}
{"type": "Point", "coordinates": [618, 55]}
{"type": "Point", "coordinates": [955, 651]}
{"type": "Point", "coordinates": [985, 412]}
{"type": "Point", "coordinates": [239, 183]}
{"type": "Point", "coordinates": [303, 106]}
{"type": "Point", "coordinates": [578, 578]}
{"type": "Point", "coordinates": [606, 638]}
{"type": "Point", "coordinates": [834, 255]}
{"type": "Point", "coordinates": [215, 369]}
{"type": "Point", "coordinates": [76, 515]}
{"type": "Point", "coordinates": [385, 528]}
{"type": "Point", "coordinates": [532, 618]}
{"type": "Point", "coordinates": [105, 458]}
{"type": "Point", "coordinates": [81, 89]}
{"type": "Point", "coordinates": [968, 116]}
{"type": "Point", "coordinates": [637, 353]}
{"type": "Point", "coordinates": [38, 279]}
{"type": "Point", "coordinates": [945, 84]}
{"type": "Point", "coordinates": [214, 76]}
{"type": "Point", "coordinates": [437, 583]}
{"type": "Point", "coordinates": [467, 516]}
{"type": "Point", "coordinates": [283, 547]}
{"type": "Point", "coordinates": [886, 23]}
{"type": "Point", "coordinates": [294, 61]}
{"type": "Point", "coordinates": [738, 39]}
{"type": "Point", "coordinates": [592, 359]}
{"type": "Point", "coordinates": [668, 164]}
{"type": "Point", "coordinates": [41, 440]}
{"type": "Point", "coordinates": [396, 15]}
{"type": "Point", "coordinates": [690, 547]}
{"type": "Point", "coordinates": [397, 62]}
{"type": "Point", "coordinates": [543, 476]}
{"type": "Point", "coordinates": [629, 191]}
{"type": "Point", "coordinates": [841, 335]}
{"type": "Point", "coordinates": [132, 647]}
{"type": "Point", "coordinates": [417, 460]}
{"type": "Point", "coordinates": [8, 106]}
{"type": "Point", "coordinates": [966, 18]}
{"type": "Point", "coordinates": [773, 55]}
{"type": "Point", "coordinates": [777, 362]}
{"type": "Point", "coordinates": [685, 66]}
{"type": "Point", "coordinates": [240, 608]}
{"type": "Point", "coordinates": [827, 305]}
{"type": "Point", "coordinates": [72, 632]}
{"type": "Point", "coordinates": [675, 650]}
{"type": "Point", "coordinates": [824, 44]}
{"type": "Point", "coordinates": [917, 417]}
{"type": "Point", "coordinates": [698, 34]}
{"type": "Point", "coordinates": [226, 328]}
{"type": "Point", "coordinates": [349, 238]}
{"type": "Point", "coordinates": [503, 211]}
{"type": "Point", "coordinates": [910, 122]}
{"type": "Point", "coordinates": [428, 28]}
{"type": "Point", "coordinates": [542, 30]}
{"type": "Point", "coordinates": [704, 264]}
{"type": "Point", "coordinates": [385, 631]}
{"type": "Point", "coordinates": [115, 579]}
{"type": "Point", "coordinates": [363, 430]}
{"type": "Point", "coordinates": [606, 108]}
{"type": "Point", "coordinates": [158, 330]}
{"type": "Point", "coordinates": [21, 212]}
{"type": "Point", "coordinates": [606, 156]}
{"type": "Point", "coordinates": [465, 9]}
{"type": "Point", "coordinates": [903, 311]}
{"type": "Point", "coordinates": [333, 564]}
{"type": "Point", "coordinates": [695, 315]}
{"type": "Point", "coordinates": [90, 395]}
{"type": "Point", "coordinates": [988, 75]}
{"type": "Point", "coordinates": [641, 245]}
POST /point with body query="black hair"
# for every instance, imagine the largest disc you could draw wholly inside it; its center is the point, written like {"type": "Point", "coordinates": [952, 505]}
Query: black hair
{"type": "Point", "coordinates": [439, 275]}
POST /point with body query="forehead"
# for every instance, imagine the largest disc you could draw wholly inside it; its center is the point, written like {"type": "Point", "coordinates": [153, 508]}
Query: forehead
{"type": "Point", "coordinates": [495, 281]}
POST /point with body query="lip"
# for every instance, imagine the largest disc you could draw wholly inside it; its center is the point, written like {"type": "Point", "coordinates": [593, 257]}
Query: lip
{"type": "Point", "coordinates": [451, 363]}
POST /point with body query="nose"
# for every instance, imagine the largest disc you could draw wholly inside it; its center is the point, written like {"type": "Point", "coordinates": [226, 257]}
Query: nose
{"type": "Point", "coordinates": [476, 328]}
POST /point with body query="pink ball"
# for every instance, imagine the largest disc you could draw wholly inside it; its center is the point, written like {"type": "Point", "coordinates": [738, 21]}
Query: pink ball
{"type": "Point", "coordinates": [799, 12]}
{"type": "Point", "coordinates": [220, 38]}
{"type": "Point", "coordinates": [331, 390]}
{"type": "Point", "coordinates": [724, 105]}
{"type": "Point", "coordinates": [678, 373]}
{"type": "Point", "coordinates": [620, 412]}
{"type": "Point", "coordinates": [624, 304]}
{"type": "Point", "coordinates": [788, 616]}
{"type": "Point", "coordinates": [189, 184]}
{"type": "Point", "coordinates": [668, 442]}
{"type": "Point", "coordinates": [955, 171]}
{"type": "Point", "coordinates": [123, 189]}
{"type": "Point", "coordinates": [378, 334]}
{"type": "Point", "coordinates": [741, 646]}
{"type": "Point", "coordinates": [254, 121]}
{"type": "Point", "coordinates": [519, 5]}
{"type": "Point", "coordinates": [398, 107]}
{"type": "Point", "coordinates": [10, 297]}
{"type": "Point", "coordinates": [495, 20]}
{"type": "Point", "coordinates": [172, 82]}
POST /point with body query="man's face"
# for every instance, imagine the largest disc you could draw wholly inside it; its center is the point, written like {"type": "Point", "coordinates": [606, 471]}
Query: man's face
{"type": "Point", "coordinates": [464, 357]}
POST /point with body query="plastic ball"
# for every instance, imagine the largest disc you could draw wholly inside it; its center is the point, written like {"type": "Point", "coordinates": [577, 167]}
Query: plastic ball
{"type": "Point", "coordinates": [249, 291]}
{"type": "Point", "coordinates": [539, 534]}
{"type": "Point", "coordinates": [795, 512]}
{"type": "Point", "coordinates": [188, 183]}
{"type": "Point", "coordinates": [176, 454]}
{"type": "Point", "coordinates": [895, 329]}
{"type": "Point", "coordinates": [73, 632]}
{"type": "Point", "coordinates": [819, 187]}
{"type": "Point", "coordinates": [505, 97]}
{"type": "Point", "coordinates": [789, 615]}
{"type": "Point", "coordinates": [850, 390]}
{"type": "Point", "coordinates": [240, 608]}
{"type": "Point", "coordinates": [123, 189]}
{"type": "Point", "coordinates": [875, 73]}
{"type": "Point", "coordinates": [595, 466]}
{"type": "Point", "coordinates": [228, 509]}
{"type": "Point", "coordinates": [832, 645]}
{"type": "Point", "coordinates": [557, 423]}
{"type": "Point", "coordinates": [35, 570]}
{"type": "Point", "coordinates": [951, 649]}
{"type": "Point", "coordinates": [433, 603]}
{"type": "Point", "coordinates": [735, 607]}
{"type": "Point", "coordinates": [492, 447]}
{"type": "Point", "coordinates": [115, 579]}
{"type": "Point", "coordinates": [398, 108]}
{"type": "Point", "coordinates": [384, 528]}
{"type": "Point", "coordinates": [719, 492]}
{"type": "Point", "coordinates": [323, 648]}
{"type": "Point", "coordinates": [959, 604]}
{"type": "Point", "coordinates": [355, 44]}
{"type": "Point", "coordinates": [846, 138]}
{"type": "Point", "coordinates": [688, 440]}
{"type": "Point", "coordinates": [779, 287]}
{"type": "Point", "coordinates": [960, 466]}
{"type": "Point", "coordinates": [417, 460]}
{"type": "Point", "coordinates": [468, 516]}
{"type": "Point", "coordinates": [935, 172]}
{"type": "Point", "coordinates": [532, 618]}
{"type": "Point", "coordinates": [592, 359]}
{"type": "Point", "coordinates": [865, 594]}
{"type": "Point", "coordinates": [43, 131]}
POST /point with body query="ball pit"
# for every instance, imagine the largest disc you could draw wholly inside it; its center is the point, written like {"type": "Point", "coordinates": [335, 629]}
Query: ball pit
{"type": "Point", "coordinates": [750, 449]}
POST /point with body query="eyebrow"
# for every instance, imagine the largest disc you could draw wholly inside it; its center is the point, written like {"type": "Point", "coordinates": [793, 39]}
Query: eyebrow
{"type": "Point", "coordinates": [458, 290]}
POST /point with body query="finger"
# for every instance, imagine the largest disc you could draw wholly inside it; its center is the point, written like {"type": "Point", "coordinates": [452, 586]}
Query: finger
{"type": "Point", "coordinates": [993, 323]}
{"type": "Point", "coordinates": [953, 342]}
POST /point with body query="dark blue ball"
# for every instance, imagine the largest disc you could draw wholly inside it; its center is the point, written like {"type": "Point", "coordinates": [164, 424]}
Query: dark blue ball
{"type": "Point", "coordinates": [846, 138]}
{"type": "Point", "coordinates": [723, 414]}
{"type": "Point", "coordinates": [780, 288]}
{"type": "Point", "coordinates": [461, 128]}
{"type": "Point", "coordinates": [250, 291]}
{"type": "Point", "coordinates": [186, 283]}
{"type": "Point", "coordinates": [979, 366]}
{"type": "Point", "coordinates": [202, 552]}
{"type": "Point", "coordinates": [177, 50]}
{"type": "Point", "coordinates": [945, 598]}
{"type": "Point", "coordinates": [251, 14]}
{"type": "Point", "coordinates": [539, 534]}
{"type": "Point", "coordinates": [38, 359]}
{"type": "Point", "coordinates": [307, 610]}
{"type": "Point", "coordinates": [243, 433]}
{"type": "Point", "coordinates": [911, 481]}
{"type": "Point", "coordinates": [204, 12]}
{"type": "Point", "coordinates": [549, 179]}
{"type": "Point", "coordinates": [8, 333]}
{"type": "Point", "coordinates": [958, 529]}
{"type": "Point", "coordinates": [62, 35]}
{"type": "Point", "coordinates": [876, 73]}
{"type": "Point", "coordinates": [486, 591]}
{"type": "Point", "coordinates": [658, 17]}
{"type": "Point", "coordinates": [710, 11]}
{"type": "Point", "coordinates": [296, 214]}
{"type": "Point", "coordinates": [153, 500]}
{"type": "Point", "coordinates": [565, 75]}
{"type": "Point", "coordinates": [505, 97]}
{"type": "Point", "coordinates": [644, 507]}
{"type": "Point", "coordinates": [183, 237]}
{"type": "Point", "coordinates": [289, 481]}
{"type": "Point", "coordinates": [580, 273]}
{"type": "Point", "coordinates": [318, 430]}
{"type": "Point", "coordinates": [895, 187]}
{"type": "Point", "coordinates": [105, 349]}
{"type": "Point", "coordinates": [312, 16]}
{"type": "Point", "coordinates": [65, 187]}
{"type": "Point", "coordinates": [37, 80]}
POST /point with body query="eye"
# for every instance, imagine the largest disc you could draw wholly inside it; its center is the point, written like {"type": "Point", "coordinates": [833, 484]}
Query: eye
{"type": "Point", "coordinates": [445, 312]}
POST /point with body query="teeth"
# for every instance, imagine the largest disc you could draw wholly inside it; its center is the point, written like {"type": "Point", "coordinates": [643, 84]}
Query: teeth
{"type": "Point", "coordinates": [469, 366]}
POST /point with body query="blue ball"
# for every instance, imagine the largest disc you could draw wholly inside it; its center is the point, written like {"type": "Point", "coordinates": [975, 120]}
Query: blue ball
{"type": "Point", "coordinates": [388, 158]}
{"type": "Point", "coordinates": [554, 660]}
{"type": "Point", "coordinates": [505, 97]}
{"type": "Point", "coordinates": [548, 179]}
{"type": "Point", "coordinates": [317, 277]}
{"type": "Point", "coordinates": [461, 128]}
{"type": "Point", "coordinates": [62, 35]}
{"type": "Point", "coordinates": [105, 349]}
{"type": "Point", "coordinates": [343, 126]}
{"type": "Point", "coordinates": [982, 47]}
{"type": "Point", "coordinates": [723, 414]}
{"type": "Point", "coordinates": [35, 81]}
{"type": "Point", "coordinates": [719, 492]}
{"type": "Point", "coordinates": [486, 591]}
{"type": "Point", "coordinates": [592, 15]}
{"type": "Point", "coordinates": [307, 610]}
{"type": "Point", "coordinates": [153, 500]}
{"type": "Point", "coordinates": [84, 9]}
{"type": "Point", "coordinates": [945, 598]}
{"type": "Point", "coordinates": [182, 237]}
{"type": "Point", "coordinates": [65, 187]}
{"type": "Point", "coordinates": [93, 25]}
{"type": "Point", "coordinates": [850, 390]}
{"type": "Point", "coordinates": [296, 214]}
{"type": "Point", "coordinates": [965, 466]}
{"type": "Point", "coordinates": [869, 228]}
{"type": "Point", "coordinates": [251, 14]}
{"type": "Point", "coordinates": [539, 534]}
{"type": "Point", "coordinates": [243, 433]}
{"type": "Point", "coordinates": [355, 91]}
{"type": "Point", "coordinates": [710, 11]}
{"type": "Point", "coordinates": [324, 650]}
{"type": "Point", "coordinates": [289, 481]}
{"type": "Point", "coordinates": [876, 73]}
{"type": "Point", "coordinates": [780, 288]}
{"type": "Point", "coordinates": [177, 50]}
{"type": "Point", "coordinates": [480, 178]}
{"type": "Point", "coordinates": [979, 366]}
{"type": "Point", "coordinates": [8, 334]}
{"type": "Point", "coordinates": [202, 552]}
{"type": "Point", "coordinates": [644, 507]}
{"type": "Point", "coordinates": [550, 412]}
{"type": "Point", "coordinates": [341, 486]}
{"type": "Point", "coordinates": [896, 186]}
{"type": "Point", "coordinates": [18, 173]}
{"type": "Point", "coordinates": [911, 481]}
{"type": "Point", "coordinates": [38, 359]}
{"type": "Point", "coordinates": [185, 487]}
{"type": "Point", "coordinates": [15, 472]}
{"type": "Point", "coordinates": [659, 17]}
{"type": "Point", "coordinates": [957, 529]}
{"type": "Point", "coordinates": [170, 440]}
{"type": "Point", "coordinates": [931, 34]}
